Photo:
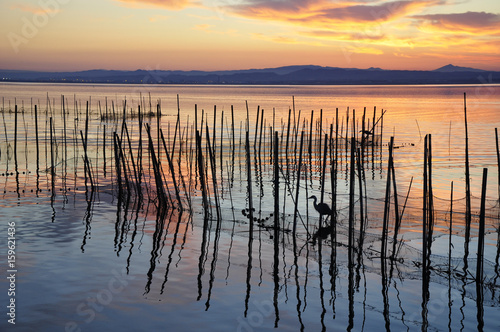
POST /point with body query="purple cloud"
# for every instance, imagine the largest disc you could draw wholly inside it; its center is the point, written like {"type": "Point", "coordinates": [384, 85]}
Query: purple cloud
{"type": "Point", "coordinates": [324, 10]}
{"type": "Point", "coordinates": [474, 20]}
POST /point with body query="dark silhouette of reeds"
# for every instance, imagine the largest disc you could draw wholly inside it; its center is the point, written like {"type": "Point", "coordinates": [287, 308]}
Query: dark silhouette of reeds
{"type": "Point", "coordinates": [450, 244]}
{"type": "Point", "coordinates": [468, 217]}
{"type": "Point", "coordinates": [498, 229]}
{"type": "Point", "coordinates": [162, 199]}
{"type": "Point", "coordinates": [427, 224]}
{"type": "Point", "coordinates": [498, 162]}
{"type": "Point", "coordinates": [480, 254]}
{"type": "Point", "coordinates": [201, 170]}
{"type": "Point", "coordinates": [201, 152]}
{"type": "Point", "coordinates": [387, 201]}
{"type": "Point", "coordinates": [172, 171]}
{"type": "Point", "coordinates": [297, 188]}
{"type": "Point", "coordinates": [480, 243]}
{"type": "Point", "coordinates": [15, 135]}
{"type": "Point", "coordinates": [249, 183]}
{"type": "Point", "coordinates": [352, 182]}
{"type": "Point", "coordinates": [214, 175]}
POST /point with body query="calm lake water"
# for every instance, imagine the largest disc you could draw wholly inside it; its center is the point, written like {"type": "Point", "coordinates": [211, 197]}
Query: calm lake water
{"type": "Point", "coordinates": [101, 261]}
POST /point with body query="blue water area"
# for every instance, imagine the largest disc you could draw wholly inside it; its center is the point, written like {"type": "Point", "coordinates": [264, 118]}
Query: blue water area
{"type": "Point", "coordinates": [105, 265]}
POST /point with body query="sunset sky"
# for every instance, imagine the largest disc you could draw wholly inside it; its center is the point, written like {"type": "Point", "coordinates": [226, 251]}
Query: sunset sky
{"type": "Point", "coordinates": [67, 35]}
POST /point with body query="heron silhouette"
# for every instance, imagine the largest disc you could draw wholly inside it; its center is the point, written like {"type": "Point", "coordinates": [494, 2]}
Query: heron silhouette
{"type": "Point", "coordinates": [322, 208]}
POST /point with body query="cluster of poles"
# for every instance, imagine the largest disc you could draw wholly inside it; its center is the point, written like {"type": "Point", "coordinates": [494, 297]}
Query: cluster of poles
{"type": "Point", "coordinates": [134, 156]}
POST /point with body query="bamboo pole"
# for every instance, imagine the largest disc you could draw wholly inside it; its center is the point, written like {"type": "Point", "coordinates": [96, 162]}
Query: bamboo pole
{"type": "Point", "coordinates": [351, 198]}
{"type": "Point", "coordinates": [52, 166]}
{"type": "Point", "coordinates": [249, 182]}
{"type": "Point", "coordinates": [397, 222]}
{"type": "Point", "coordinates": [323, 175]}
{"type": "Point", "coordinates": [361, 203]}
{"type": "Point", "coordinates": [15, 135]}
{"type": "Point", "coordinates": [214, 175]}
{"type": "Point", "coordinates": [430, 223]}
{"type": "Point", "coordinates": [425, 211]}
{"type": "Point", "coordinates": [299, 169]}
{"type": "Point", "coordinates": [467, 184]}
{"type": "Point", "coordinates": [480, 243]}
{"type": "Point", "coordinates": [158, 180]}
{"type": "Point", "coordinates": [104, 149]}
{"type": "Point", "coordinates": [136, 177]}
{"type": "Point", "coordinates": [387, 202]}
{"type": "Point", "coordinates": [117, 165]}
{"type": "Point", "coordinates": [202, 173]}
{"type": "Point", "coordinates": [276, 195]}
{"type": "Point", "coordinates": [37, 143]}
{"type": "Point", "coordinates": [286, 145]}
{"type": "Point", "coordinates": [498, 161]}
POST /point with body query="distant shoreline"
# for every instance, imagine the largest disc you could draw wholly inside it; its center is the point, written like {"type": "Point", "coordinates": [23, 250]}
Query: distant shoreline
{"type": "Point", "coordinates": [290, 75]}
{"type": "Point", "coordinates": [247, 84]}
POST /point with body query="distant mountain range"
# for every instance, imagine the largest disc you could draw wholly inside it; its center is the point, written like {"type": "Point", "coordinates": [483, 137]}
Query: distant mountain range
{"type": "Point", "coordinates": [310, 74]}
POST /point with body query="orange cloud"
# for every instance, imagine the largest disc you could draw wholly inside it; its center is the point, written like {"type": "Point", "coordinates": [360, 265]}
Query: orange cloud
{"type": "Point", "coordinates": [167, 4]}
{"type": "Point", "coordinates": [342, 21]}
{"type": "Point", "coordinates": [34, 10]}
{"type": "Point", "coordinates": [202, 27]}
{"type": "Point", "coordinates": [276, 39]}
{"type": "Point", "coordinates": [323, 12]}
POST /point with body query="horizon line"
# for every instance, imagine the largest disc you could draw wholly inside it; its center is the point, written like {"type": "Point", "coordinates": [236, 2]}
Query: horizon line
{"type": "Point", "coordinates": [240, 69]}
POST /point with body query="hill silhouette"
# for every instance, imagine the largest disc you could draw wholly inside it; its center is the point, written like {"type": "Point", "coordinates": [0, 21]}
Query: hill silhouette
{"type": "Point", "coordinates": [308, 74]}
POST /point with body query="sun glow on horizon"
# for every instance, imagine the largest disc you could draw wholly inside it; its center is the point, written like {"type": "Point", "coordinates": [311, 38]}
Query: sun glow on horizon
{"type": "Point", "coordinates": [58, 35]}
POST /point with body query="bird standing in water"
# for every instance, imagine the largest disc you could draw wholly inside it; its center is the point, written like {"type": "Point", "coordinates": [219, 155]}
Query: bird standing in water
{"type": "Point", "coordinates": [322, 208]}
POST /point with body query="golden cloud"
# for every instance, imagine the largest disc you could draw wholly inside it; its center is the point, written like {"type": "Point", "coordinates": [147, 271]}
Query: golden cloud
{"type": "Point", "coordinates": [35, 10]}
{"type": "Point", "coordinates": [202, 27]}
{"type": "Point", "coordinates": [358, 22]}
{"type": "Point", "coordinates": [323, 12]}
{"type": "Point", "coordinates": [286, 40]}
{"type": "Point", "coordinates": [167, 4]}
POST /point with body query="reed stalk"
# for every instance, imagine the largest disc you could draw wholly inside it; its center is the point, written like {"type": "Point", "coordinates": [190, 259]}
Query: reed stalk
{"type": "Point", "coordinates": [387, 201]}
{"type": "Point", "coordinates": [323, 175]}
{"type": "Point", "coordinates": [431, 197]}
{"type": "Point", "coordinates": [352, 182]}
{"type": "Point", "coordinates": [397, 216]}
{"type": "Point", "coordinates": [52, 163]}
{"type": "Point", "coordinates": [286, 145]}
{"type": "Point", "coordinates": [162, 199]}
{"type": "Point", "coordinates": [424, 209]}
{"type": "Point", "coordinates": [362, 217]}
{"type": "Point", "coordinates": [450, 245]}
{"type": "Point", "coordinates": [124, 164]}
{"type": "Point", "coordinates": [37, 142]}
{"type": "Point", "coordinates": [201, 171]}
{"type": "Point", "coordinates": [276, 183]}
{"type": "Point", "coordinates": [498, 162]}
{"type": "Point", "coordinates": [468, 208]}
{"type": "Point", "coordinates": [249, 183]}
{"type": "Point", "coordinates": [297, 189]}
{"type": "Point", "coordinates": [15, 135]}
{"type": "Point", "coordinates": [134, 168]}
{"type": "Point", "coordinates": [480, 243]}
{"type": "Point", "coordinates": [214, 175]}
